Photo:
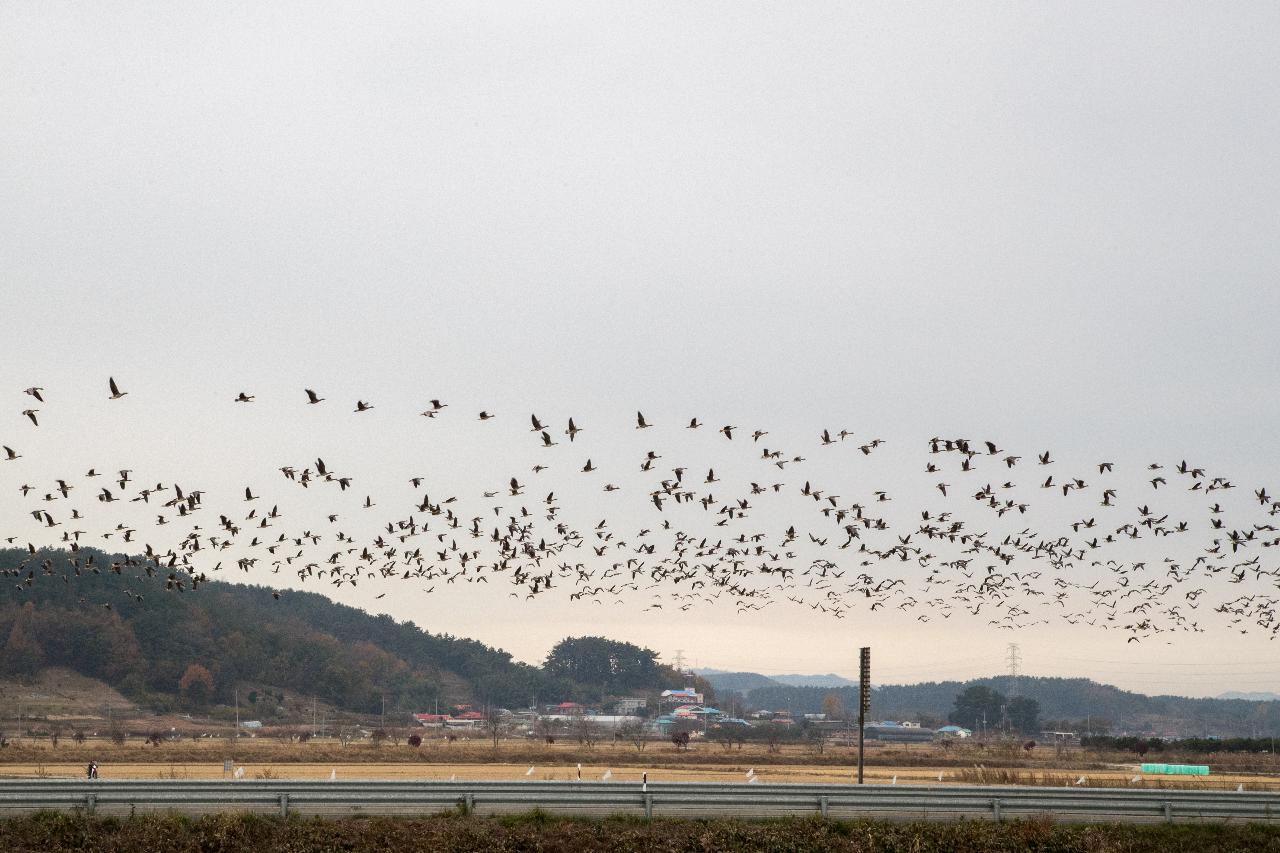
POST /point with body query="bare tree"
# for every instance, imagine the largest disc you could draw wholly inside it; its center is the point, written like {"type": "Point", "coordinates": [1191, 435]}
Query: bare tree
{"type": "Point", "coordinates": [345, 729]}
{"type": "Point", "coordinates": [586, 731]}
{"type": "Point", "coordinates": [816, 738]}
{"type": "Point", "coordinates": [635, 734]}
{"type": "Point", "coordinates": [548, 729]}
{"type": "Point", "coordinates": [772, 735]}
{"type": "Point", "coordinates": [724, 736]}
{"type": "Point", "coordinates": [495, 725]}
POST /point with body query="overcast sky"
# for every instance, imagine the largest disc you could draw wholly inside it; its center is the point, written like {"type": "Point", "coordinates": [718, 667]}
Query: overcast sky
{"type": "Point", "coordinates": [1051, 224]}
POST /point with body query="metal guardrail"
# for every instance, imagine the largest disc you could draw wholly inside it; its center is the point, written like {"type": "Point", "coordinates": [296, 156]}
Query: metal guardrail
{"type": "Point", "coordinates": [900, 802]}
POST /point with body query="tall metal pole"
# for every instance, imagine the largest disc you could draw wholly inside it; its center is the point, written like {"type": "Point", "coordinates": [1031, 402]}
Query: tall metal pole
{"type": "Point", "coordinates": [864, 703]}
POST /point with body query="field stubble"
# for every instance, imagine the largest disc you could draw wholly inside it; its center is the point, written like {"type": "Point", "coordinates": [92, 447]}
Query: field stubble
{"type": "Point", "coordinates": [441, 760]}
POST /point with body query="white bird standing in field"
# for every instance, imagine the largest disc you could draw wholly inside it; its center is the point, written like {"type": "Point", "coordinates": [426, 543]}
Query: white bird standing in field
{"type": "Point", "coordinates": [529, 772]}
{"type": "Point", "coordinates": [608, 774]}
{"type": "Point", "coordinates": [1082, 780]}
{"type": "Point", "coordinates": [333, 775]}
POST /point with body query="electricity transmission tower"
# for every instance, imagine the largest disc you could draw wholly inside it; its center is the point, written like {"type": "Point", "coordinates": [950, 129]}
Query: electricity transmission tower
{"type": "Point", "coordinates": [1015, 661]}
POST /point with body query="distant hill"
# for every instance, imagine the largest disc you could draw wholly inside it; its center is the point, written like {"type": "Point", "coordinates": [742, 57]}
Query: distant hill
{"type": "Point", "coordinates": [737, 682]}
{"type": "Point", "coordinates": [1059, 698]}
{"type": "Point", "coordinates": [111, 618]}
{"type": "Point", "coordinates": [828, 680]}
{"type": "Point", "coordinates": [1250, 697]}
{"type": "Point", "coordinates": [742, 682]}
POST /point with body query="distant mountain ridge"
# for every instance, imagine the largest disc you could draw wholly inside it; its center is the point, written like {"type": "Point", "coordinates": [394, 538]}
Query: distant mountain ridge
{"type": "Point", "coordinates": [1061, 699]}
{"type": "Point", "coordinates": [723, 679]}
{"type": "Point", "coordinates": [828, 680]}
{"type": "Point", "coordinates": [1250, 697]}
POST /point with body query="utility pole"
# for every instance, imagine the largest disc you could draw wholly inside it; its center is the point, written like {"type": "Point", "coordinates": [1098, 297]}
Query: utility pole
{"type": "Point", "coordinates": [864, 703]}
{"type": "Point", "coordinates": [237, 713]}
{"type": "Point", "coordinates": [313, 716]}
{"type": "Point", "coordinates": [382, 721]}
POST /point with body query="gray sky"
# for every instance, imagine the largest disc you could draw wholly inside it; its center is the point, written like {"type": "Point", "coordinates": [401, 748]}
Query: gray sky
{"type": "Point", "coordinates": [1055, 225]}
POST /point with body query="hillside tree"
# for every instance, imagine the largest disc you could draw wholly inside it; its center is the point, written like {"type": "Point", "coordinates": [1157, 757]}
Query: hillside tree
{"type": "Point", "coordinates": [976, 705]}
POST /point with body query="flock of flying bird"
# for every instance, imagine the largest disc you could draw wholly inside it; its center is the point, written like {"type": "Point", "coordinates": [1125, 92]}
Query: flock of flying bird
{"type": "Point", "coordinates": [696, 546]}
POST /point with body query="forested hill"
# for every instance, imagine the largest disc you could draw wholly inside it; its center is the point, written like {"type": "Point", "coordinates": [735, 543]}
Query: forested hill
{"type": "Point", "coordinates": [128, 630]}
{"type": "Point", "coordinates": [1061, 699]}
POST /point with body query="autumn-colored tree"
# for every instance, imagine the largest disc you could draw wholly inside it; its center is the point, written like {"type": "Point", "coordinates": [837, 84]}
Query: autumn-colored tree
{"type": "Point", "coordinates": [196, 684]}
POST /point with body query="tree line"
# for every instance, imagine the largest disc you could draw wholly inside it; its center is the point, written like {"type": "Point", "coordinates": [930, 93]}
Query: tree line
{"type": "Point", "coordinates": [165, 649]}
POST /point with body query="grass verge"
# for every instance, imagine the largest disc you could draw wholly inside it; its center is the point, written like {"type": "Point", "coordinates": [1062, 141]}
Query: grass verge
{"type": "Point", "coordinates": [537, 831]}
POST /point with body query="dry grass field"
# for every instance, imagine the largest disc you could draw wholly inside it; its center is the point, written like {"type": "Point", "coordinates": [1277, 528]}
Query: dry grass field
{"type": "Point", "coordinates": [512, 760]}
{"type": "Point", "coordinates": [780, 773]}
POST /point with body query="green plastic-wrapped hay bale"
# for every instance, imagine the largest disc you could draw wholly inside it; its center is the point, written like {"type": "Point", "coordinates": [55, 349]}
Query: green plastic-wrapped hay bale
{"type": "Point", "coordinates": [1176, 769]}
